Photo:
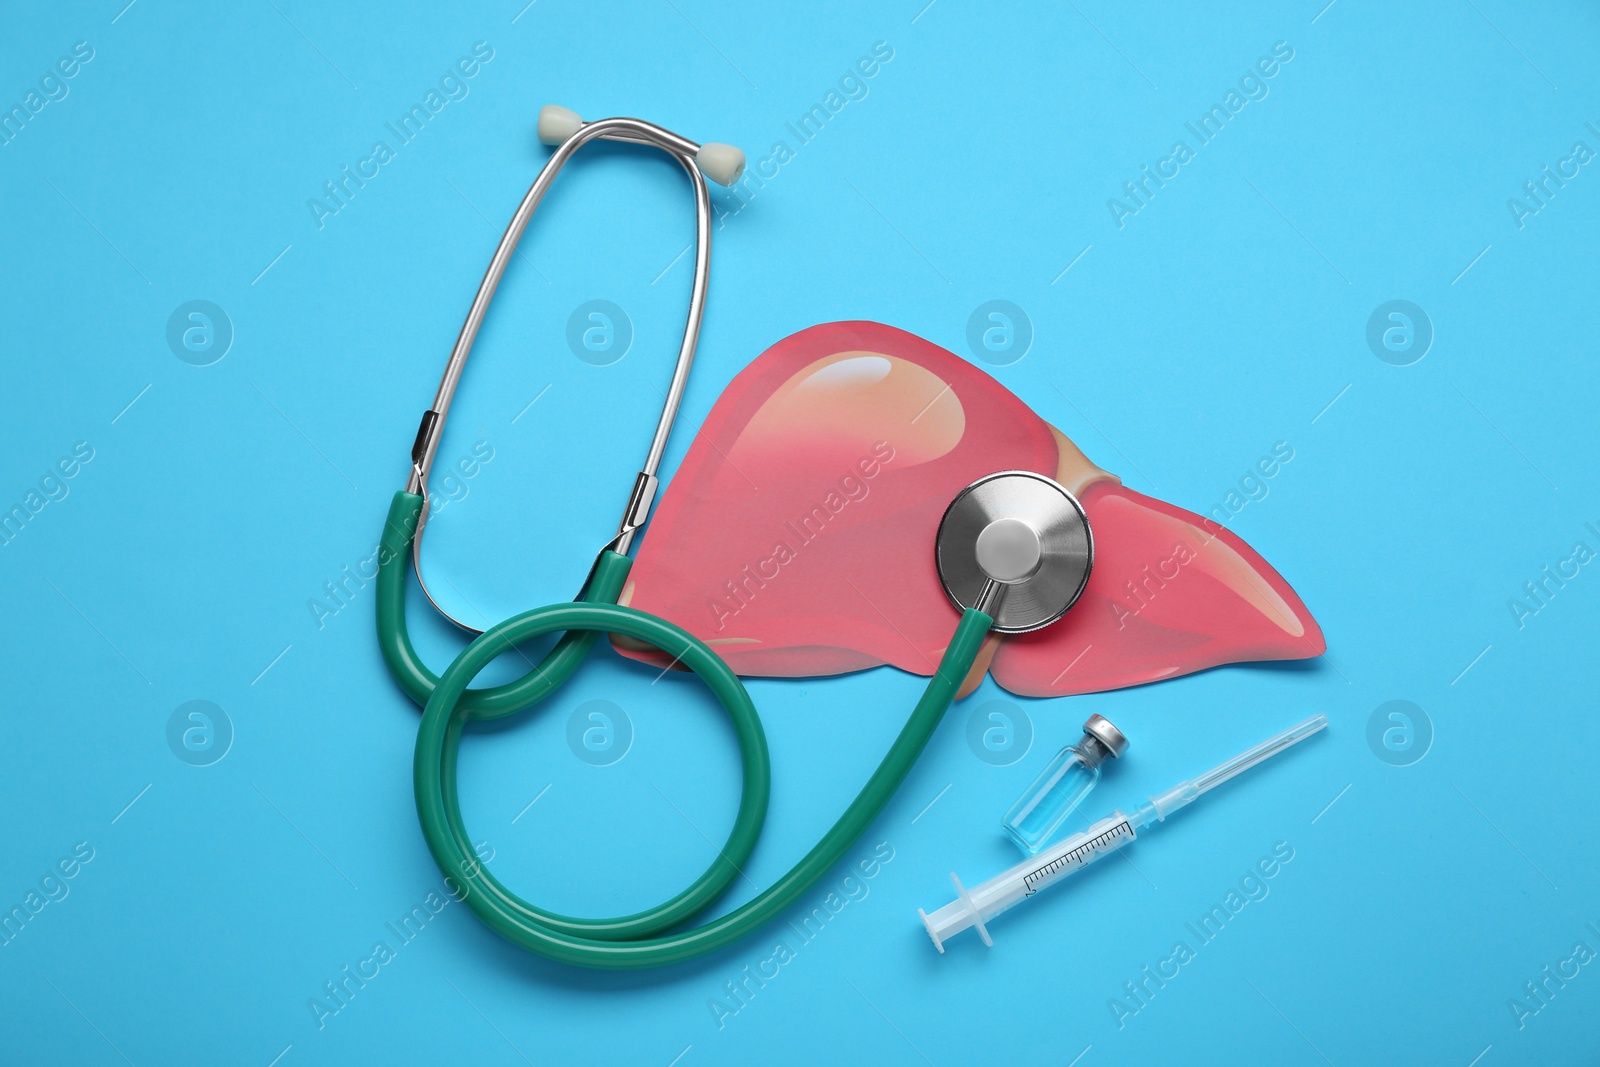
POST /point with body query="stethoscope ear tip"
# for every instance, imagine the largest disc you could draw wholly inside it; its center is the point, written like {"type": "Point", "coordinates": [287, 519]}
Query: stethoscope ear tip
{"type": "Point", "coordinates": [722, 163]}
{"type": "Point", "coordinates": [557, 123]}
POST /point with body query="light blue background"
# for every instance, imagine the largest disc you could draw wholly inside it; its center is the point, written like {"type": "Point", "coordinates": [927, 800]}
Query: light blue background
{"type": "Point", "coordinates": [1227, 315]}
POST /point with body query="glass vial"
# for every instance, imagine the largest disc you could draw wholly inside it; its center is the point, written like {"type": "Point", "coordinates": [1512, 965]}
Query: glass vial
{"type": "Point", "coordinates": [1058, 791]}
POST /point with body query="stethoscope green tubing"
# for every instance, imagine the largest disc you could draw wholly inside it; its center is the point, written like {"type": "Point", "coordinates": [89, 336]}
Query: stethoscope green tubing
{"type": "Point", "coordinates": [641, 939]}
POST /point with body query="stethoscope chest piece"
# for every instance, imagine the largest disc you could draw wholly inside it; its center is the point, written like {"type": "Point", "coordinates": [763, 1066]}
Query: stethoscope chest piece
{"type": "Point", "coordinates": [1016, 546]}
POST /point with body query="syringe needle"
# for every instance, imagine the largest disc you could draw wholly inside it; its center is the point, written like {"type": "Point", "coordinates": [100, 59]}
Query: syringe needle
{"type": "Point", "coordinates": [1163, 804]}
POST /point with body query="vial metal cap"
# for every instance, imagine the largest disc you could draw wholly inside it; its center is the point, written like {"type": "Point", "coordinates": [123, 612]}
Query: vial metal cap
{"type": "Point", "coordinates": [1099, 727]}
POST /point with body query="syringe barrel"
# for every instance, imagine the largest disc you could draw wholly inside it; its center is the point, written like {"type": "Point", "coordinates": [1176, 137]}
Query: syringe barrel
{"type": "Point", "coordinates": [1076, 852]}
{"type": "Point", "coordinates": [1004, 890]}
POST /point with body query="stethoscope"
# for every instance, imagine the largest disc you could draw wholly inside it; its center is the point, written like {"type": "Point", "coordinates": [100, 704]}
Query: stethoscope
{"type": "Point", "coordinates": [1013, 551]}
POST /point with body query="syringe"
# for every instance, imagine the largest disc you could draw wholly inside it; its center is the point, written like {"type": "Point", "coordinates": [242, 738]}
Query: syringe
{"type": "Point", "coordinates": [975, 907]}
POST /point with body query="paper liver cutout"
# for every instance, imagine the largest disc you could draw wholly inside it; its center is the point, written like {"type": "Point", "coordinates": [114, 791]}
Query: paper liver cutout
{"type": "Point", "coordinates": [797, 537]}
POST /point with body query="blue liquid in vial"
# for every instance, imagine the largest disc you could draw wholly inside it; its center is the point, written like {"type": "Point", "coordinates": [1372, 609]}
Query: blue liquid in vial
{"type": "Point", "coordinates": [1054, 795]}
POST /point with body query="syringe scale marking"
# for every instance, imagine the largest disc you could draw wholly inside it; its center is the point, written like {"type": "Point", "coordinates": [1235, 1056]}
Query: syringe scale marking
{"type": "Point", "coordinates": [1079, 856]}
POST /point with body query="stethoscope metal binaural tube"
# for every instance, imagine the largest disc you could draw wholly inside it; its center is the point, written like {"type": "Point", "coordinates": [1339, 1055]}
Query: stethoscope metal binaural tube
{"type": "Point", "coordinates": [569, 132]}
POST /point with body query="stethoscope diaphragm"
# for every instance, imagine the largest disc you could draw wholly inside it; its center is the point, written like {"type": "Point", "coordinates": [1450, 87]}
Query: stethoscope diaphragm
{"type": "Point", "coordinates": [1015, 545]}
